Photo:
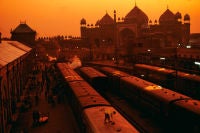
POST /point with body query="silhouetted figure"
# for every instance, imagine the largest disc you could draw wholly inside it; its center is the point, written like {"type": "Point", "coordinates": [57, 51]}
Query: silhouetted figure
{"type": "Point", "coordinates": [36, 118]}
{"type": "Point", "coordinates": [26, 104]}
{"type": "Point", "coordinates": [36, 99]}
{"type": "Point", "coordinates": [47, 83]}
{"type": "Point", "coordinates": [107, 116]}
{"type": "Point", "coordinates": [51, 100]}
{"type": "Point", "coordinates": [46, 94]}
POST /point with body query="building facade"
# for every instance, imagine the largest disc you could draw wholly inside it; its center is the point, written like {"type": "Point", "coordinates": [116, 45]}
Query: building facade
{"type": "Point", "coordinates": [123, 36]}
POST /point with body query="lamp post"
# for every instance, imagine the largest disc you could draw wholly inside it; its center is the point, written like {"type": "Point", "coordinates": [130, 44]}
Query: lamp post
{"type": "Point", "coordinates": [162, 61]}
{"type": "Point", "coordinates": [175, 66]}
{"type": "Point", "coordinates": [115, 39]}
{"type": "Point", "coordinates": [148, 56]}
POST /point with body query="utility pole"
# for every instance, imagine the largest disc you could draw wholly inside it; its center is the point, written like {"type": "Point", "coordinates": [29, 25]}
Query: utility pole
{"type": "Point", "coordinates": [176, 69]}
{"type": "Point", "coordinates": [115, 39]}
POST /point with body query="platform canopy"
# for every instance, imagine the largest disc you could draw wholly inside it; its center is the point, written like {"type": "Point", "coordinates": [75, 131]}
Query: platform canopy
{"type": "Point", "coordinates": [11, 50]}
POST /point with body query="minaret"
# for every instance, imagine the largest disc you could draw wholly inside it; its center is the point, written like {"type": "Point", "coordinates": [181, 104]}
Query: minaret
{"type": "Point", "coordinates": [114, 16]}
{"type": "Point", "coordinates": [83, 27]}
{"type": "Point", "coordinates": [186, 28]}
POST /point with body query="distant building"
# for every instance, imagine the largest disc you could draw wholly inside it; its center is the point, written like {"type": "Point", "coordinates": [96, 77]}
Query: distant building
{"type": "Point", "coordinates": [24, 34]}
{"type": "Point", "coordinates": [136, 30]}
{"type": "Point", "coordinates": [194, 40]}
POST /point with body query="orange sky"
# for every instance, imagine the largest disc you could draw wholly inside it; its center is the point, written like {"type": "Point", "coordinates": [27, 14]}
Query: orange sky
{"type": "Point", "coordinates": [62, 17]}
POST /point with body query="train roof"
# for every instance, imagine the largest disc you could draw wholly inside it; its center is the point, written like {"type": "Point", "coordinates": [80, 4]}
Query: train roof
{"type": "Point", "coordinates": [190, 105]}
{"type": "Point", "coordinates": [63, 65]}
{"type": "Point", "coordinates": [132, 80]}
{"type": "Point", "coordinates": [95, 117]}
{"type": "Point", "coordinates": [82, 88]}
{"type": "Point", "coordinates": [93, 101]}
{"type": "Point", "coordinates": [114, 72]}
{"type": "Point", "coordinates": [86, 95]}
{"type": "Point", "coordinates": [170, 71]}
{"type": "Point", "coordinates": [68, 72]}
{"type": "Point", "coordinates": [91, 72]}
{"type": "Point", "coordinates": [168, 95]}
{"type": "Point", "coordinates": [193, 77]}
{"type": "Point", "coordinates": [157, 91]}
{"type": "Point", "coordinates": [155, 68]}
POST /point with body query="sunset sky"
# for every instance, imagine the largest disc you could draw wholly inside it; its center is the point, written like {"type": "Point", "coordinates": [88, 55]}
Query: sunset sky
{"type": "Point", "coordinates": [62, 17]}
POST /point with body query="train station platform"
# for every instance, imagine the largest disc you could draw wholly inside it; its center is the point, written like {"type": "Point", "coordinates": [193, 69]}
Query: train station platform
{"type": "Point", "coordinates": [60, 120]}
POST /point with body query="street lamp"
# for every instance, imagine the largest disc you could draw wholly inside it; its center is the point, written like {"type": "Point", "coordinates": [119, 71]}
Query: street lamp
{"type": "Point", "coordinates": [148, 56]}
{"type": "Point", "coordinates": [176, 69]}
{"type": "Point", "coordinates": [197, 63]}
{"type": "Point", "coordinates": [115, 39]}
{"type": "Point", "coordinates": [162, 59]}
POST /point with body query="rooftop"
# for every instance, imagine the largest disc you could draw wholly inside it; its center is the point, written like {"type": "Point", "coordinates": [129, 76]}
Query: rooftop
{"type": "Point", "coordinates": [11, 50]}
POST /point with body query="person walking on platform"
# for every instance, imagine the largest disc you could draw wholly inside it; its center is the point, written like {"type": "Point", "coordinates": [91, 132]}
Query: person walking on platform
{"type": "Point", "coordinates": [36, 99]}
{"type": "Point", "coordinates": [36, 117]}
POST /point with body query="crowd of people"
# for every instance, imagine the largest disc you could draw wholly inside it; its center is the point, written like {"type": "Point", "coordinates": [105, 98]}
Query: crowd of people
{"type": "Point", "coordinates": [47, 81]}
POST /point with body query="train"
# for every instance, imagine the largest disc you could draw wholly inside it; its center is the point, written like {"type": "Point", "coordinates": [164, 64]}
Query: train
{"type": "Point", "coordinates": [90, 108]}
{"type": "Point", "coordinates": [97, 79]}
{"type": "Point", "coordinates": [188, 84]}
{"type": "Point", "coordinates": [154, 99]}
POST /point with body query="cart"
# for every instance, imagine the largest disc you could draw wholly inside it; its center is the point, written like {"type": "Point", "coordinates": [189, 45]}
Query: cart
{"type": "Point", "coordinates": [44, 117]}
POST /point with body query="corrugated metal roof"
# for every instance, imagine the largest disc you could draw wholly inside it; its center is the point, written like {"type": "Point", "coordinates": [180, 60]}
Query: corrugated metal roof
{"type": "Point", "coordinates": [11, 50]}
{"type": "Point", "coordinates": [20, 45]}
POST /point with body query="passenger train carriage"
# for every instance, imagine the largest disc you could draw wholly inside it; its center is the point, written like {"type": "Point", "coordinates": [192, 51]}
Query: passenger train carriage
{"type": "Point", "coordinates": [68, 73]}
{"type": "Point", "coordinates": [120, 125]}
{"type": "Point", "coordinates": [186, 83]}
{"type": "Point", "coordinates": [90, 107]}
{"type": "Point", "coordinates": [149, 95]}
{"type": "Point", "coordinates": [114, 77]}
{"type": "Point", "coordinates": [155, 74]}
{"type": "Point", "coordinates": [158, 100]}
{"type": "Point", "coordinates": [97, 79]}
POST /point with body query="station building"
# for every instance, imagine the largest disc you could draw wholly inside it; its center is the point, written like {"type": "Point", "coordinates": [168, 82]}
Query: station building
{"type": "Point", "coordinates": [16, 61]}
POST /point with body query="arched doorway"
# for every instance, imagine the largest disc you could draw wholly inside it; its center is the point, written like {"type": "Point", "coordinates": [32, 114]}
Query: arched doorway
{"type": "Point", "coordinates": [127, 39]}
{"type": "Point", "coordinates": [126, 36]}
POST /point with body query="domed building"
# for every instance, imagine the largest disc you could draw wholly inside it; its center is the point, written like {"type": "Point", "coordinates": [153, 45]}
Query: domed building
{"type": "Point", "coordinates": [135, 32]}
{"type": "Point", "coordinates": [100, 34]}
{"type": "Point", "coordinates": [137, 16]}
{"type": "Point", "coordinates": [178, 16]}
{"type": "Point", "coordinates": [167, 17]}
{"type": "Point", "coordinates": [83, 21]}
{"type": "Point", "coordinates": [106, 20]}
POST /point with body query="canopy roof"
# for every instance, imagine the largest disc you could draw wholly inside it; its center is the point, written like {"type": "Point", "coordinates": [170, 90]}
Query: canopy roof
{"type": "Point", "coordinates": [11, 50]}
